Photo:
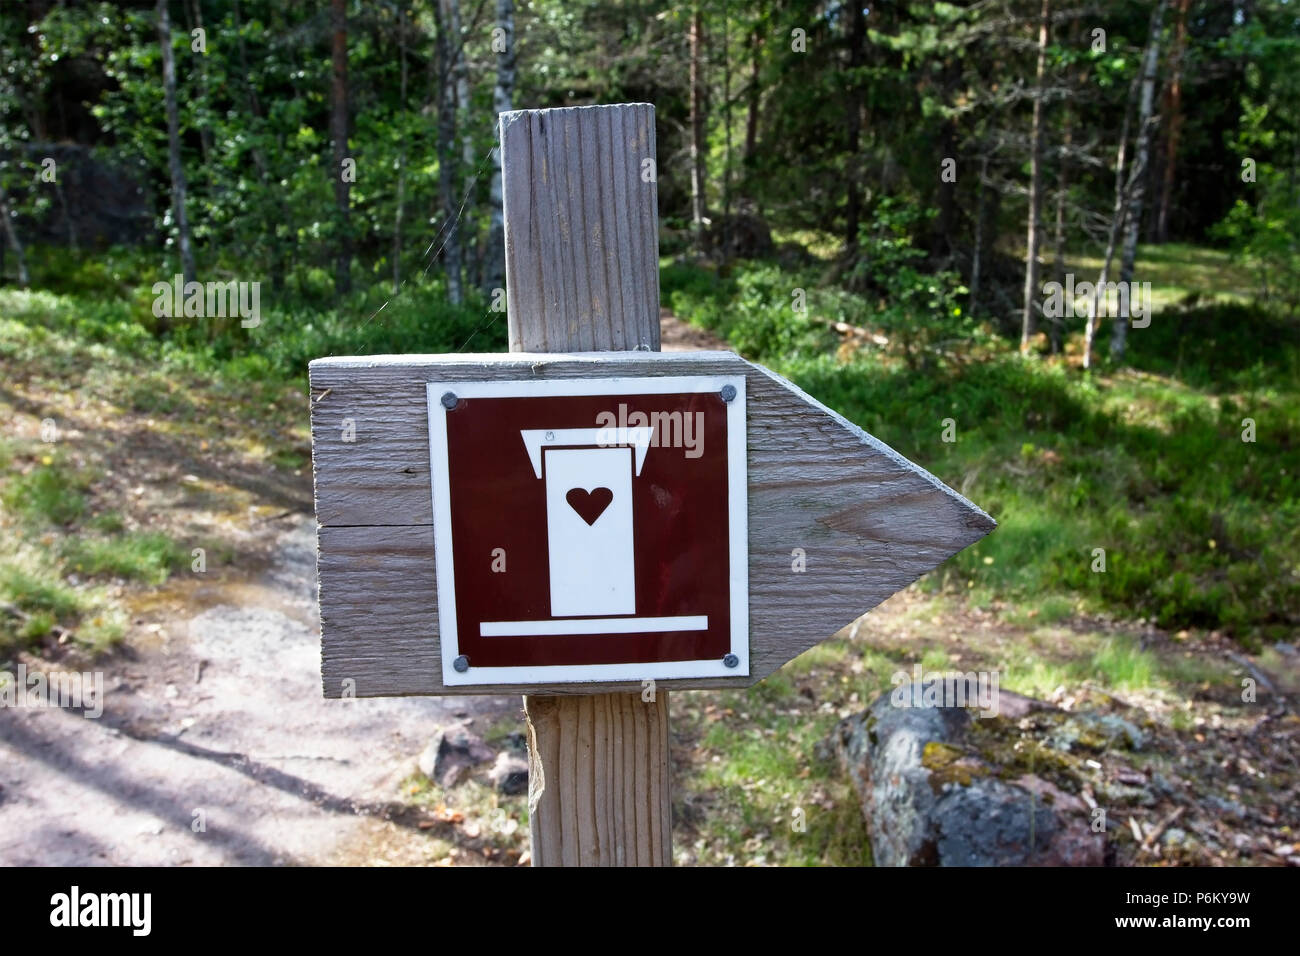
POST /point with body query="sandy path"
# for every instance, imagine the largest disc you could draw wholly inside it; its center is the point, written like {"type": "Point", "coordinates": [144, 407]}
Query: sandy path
{"type": "Point", "coordinates": [214, 713]}
{"type": "Point", "coordinates": [279, 774]}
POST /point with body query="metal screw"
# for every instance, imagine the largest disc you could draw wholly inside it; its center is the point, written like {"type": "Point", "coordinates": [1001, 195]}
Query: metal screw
{"type": "Point", "coordinates": [449, 400]}
{"type": "Point", "coordinates": [731, 660]}
{"type": "Point", "coordinates": [728, 393]}
{"type": "Point", "coordinates": [550, 436]}
{"type": "Point", "coordinates": [461, 663]}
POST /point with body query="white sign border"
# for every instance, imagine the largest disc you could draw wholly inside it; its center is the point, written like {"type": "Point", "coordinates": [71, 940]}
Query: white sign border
{"type": "Point", "coordinates": [737, 525]}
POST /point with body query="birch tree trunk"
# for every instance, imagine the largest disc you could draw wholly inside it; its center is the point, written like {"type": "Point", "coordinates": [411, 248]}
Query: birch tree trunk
{"type": "Point", "coordinates": [339, 133]}
{"type": "Point", "coordinates": [401, 157]}
{"type": "Point", "coordinates": [697, 127]}
{"type": "Point", "coordinates": [1035, 231]}
{"type": "Point", "coordinates": [11, 234]}
{"type": "Point", "coordinates": [1055, 329]}
{"type": "Point", "coordinates": [1116, 223]}
{"type": "Point", "coordinates": [471, 262]}
{"type": "Point", "coordinates": [494, 268]}
{"type": "Point", "coordinates": [856, 26]}
{"type": "Point", "coordinates": [1137, 178]}
{"type": "Point", "coordinates": [980, 217]}
{"type": "Point", "coordinates": [174, 143]}
{"type": "Point", "coordinates": [447, 158]}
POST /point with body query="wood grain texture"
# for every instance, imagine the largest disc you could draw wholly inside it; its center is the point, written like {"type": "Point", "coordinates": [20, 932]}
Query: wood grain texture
{"type": "Point", "coordinates": [582, 274]}
{"type": "Point", "coordinates": [869, 521]}
{"type": "Point", "coordinates": [581, 228]}
{"type": "Point", "coordinates": [598, 781]}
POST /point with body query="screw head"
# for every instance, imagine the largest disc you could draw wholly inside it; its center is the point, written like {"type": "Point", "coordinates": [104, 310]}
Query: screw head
{"type": "Point", "coordinates": [461, 664]}
{"type": "Point", "coordinates": [550, 436]}
{"type": "Point", "coordinates": [728, 393]}
{"type": "Point", "coordinates": [731, 660]}
{"type": "Point", "coordinates": [449, 400]}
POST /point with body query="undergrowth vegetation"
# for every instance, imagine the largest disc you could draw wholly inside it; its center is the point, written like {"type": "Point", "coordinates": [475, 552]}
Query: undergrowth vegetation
{"type": "Point", "coordinates": [1176, 475]}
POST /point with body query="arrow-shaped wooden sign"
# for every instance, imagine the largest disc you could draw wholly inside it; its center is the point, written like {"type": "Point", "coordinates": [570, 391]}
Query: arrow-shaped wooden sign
{"type": "Point", "coordinates": [834, 522]}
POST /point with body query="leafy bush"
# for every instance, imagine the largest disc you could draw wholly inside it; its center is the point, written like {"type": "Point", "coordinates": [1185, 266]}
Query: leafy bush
{"type": "Point", "coordinates": [921, 310]}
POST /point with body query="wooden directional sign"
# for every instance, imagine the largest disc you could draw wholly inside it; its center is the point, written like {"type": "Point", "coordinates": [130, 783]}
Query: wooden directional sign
{"type": "Point", "coordinates": [579, 523]}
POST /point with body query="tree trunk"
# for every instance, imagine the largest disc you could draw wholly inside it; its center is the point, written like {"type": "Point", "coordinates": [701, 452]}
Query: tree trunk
{"type": "Point", "coordinates": [755, 98]}
{"type": "Point", "coordinates": [494, 269]}
{"type": "Point", "coordinates": [205, 132]}
{"type": "Point", "coordinates": [174, 143]}
{"type": "Point", "coordinates": [401, 156]}
{"type": "Point", "coordinates": [981, 209]}
{"type": "Point", "coordinates": [339, 133]}
{"type": "Point", "coordinates": [945, 198]}
{"type": "Point", "coordinates": [1055, 329]}
{"type": "Point", "coordinates": [67, 217]}
{"type": "Point", "coordinates": [447, 160]}
{"type": "Point", "coordinates": [726, 128]}
{"type": "Point", "coordinates": [461, 73]}
{"type": "Point", "coordinates": [1116, 224]}
{"type": "Point", "coordinates": [696, 40]}
{"type": "Point", "coordinates": [1035, 187]}
{"type": "Point", "coordinates": [279, 243]}
{"type": "Point", "coordinates": [856, 25]}
{"type": "Point", "coordinates": [11, 234]}
{"type": "Point", "coordinates": [1174, 110]}
{"type": "Point", "coordinates": [1137, 177]}
{"type": "Point", "coordinates": [470, 258]}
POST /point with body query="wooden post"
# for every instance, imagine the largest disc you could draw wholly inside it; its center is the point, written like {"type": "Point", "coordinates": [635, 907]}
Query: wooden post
{"type": "Point", "coordinates": [582, 274]}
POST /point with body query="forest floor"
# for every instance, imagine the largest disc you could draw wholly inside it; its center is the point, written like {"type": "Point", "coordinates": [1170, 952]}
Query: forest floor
{"type": "Point", "coordinates": [215, 746]}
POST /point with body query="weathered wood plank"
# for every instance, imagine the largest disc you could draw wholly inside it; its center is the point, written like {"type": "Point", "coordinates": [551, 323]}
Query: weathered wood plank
{"type": "Point", "coordinates": [598, 791]}
{"type": "Point", "coordinates": [586, 277]}
{"type": "Point", "coordinates": [869, 521]}
{"type": "Point", "coordinates": [581, 228]}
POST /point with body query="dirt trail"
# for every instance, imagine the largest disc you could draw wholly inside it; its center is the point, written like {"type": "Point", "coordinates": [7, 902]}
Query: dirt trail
{"type": "Point", "coordinates": [213, 714]}
{"type": "Point", "coordinates": [220, 713]}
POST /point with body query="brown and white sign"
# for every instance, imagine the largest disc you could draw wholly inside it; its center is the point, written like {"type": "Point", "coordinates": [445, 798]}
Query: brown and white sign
{"type": "Point", "coordinates": [590, 529]}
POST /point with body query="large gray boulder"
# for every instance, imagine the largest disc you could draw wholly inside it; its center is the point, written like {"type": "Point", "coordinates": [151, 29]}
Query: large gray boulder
{"type": "Point", "coordinates": [932, 796]}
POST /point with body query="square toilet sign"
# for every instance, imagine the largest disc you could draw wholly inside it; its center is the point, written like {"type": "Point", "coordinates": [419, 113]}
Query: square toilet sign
{"type": "Point", "coordinates": [590, 529]}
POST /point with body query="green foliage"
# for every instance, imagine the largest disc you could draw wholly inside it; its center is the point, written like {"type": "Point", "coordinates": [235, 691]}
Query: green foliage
{"type": "Point", "coordinates": [1200, 529]}
{"type": "Point", "coordinates": [290, 333]}
{"type": "Point", "coordinates": [1263, 226]}
{"type": "Point", "coordinates": [921, 309]}
{"type": "Point", "coordinates": [762, 310]}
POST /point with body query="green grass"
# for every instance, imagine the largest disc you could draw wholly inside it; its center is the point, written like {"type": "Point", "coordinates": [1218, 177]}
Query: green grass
{"type": "Point", "coordinates": [1117, 663]}
{"type": "Point", "coordinates": [31, 581]}
{"type": "Point", "coordinates": [34, 588]}
{"type": "Point", "coordinates": [52, 493]}
{"type": "Point", "coordinates": [148, 556]}
{"type": "Point", "coordinates": [769, 798]}
{"type": "Point", "coordinates": [1177, 270]}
